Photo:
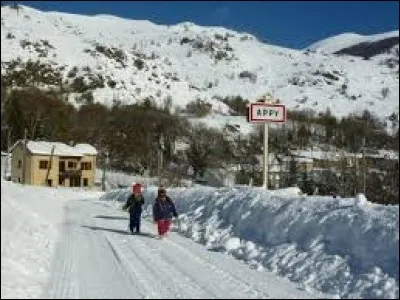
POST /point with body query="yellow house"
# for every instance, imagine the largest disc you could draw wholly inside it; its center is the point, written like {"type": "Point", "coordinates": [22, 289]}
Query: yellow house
{"type": "Point", "coordinates": [53, 164]}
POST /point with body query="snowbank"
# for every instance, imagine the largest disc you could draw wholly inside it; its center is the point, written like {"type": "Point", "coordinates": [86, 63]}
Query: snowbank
{"type": "Point", "coordinates": [29, 226]}
{"type": "Point", "coordinates": [346, 248]}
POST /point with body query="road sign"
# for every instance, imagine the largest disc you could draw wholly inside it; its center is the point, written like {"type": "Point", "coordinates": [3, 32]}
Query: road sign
{"type": "Point", "coordinates": [264, 112]}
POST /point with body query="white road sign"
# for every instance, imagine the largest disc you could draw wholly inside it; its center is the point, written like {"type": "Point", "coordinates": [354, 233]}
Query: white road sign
{"type": "Point", "coordinates": [263, 112]}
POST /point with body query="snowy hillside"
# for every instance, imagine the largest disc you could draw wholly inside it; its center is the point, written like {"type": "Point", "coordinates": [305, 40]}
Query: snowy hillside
{"type": "Point", "coordinates": [131, 60]}
{"type": "Point", "coordinates": [345, 248]}
{"type": "Point", "coordinates": [345, 40]}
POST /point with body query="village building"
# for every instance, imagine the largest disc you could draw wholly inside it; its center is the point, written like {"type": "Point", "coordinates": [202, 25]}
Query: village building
{"type": "Point", "coordinates": [53, 164]}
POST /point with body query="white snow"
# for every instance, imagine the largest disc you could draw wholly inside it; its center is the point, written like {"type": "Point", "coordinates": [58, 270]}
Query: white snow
{"type": "Point", "coordinates": [30, 220]}
{"type": "Point", "coordinates": [345, 40]}
{"type": "Point", "coordinates": [347, 248]}
{"type": "Point", "coordinates": [60, 149]}
{"type": "Point", "coordinates": [341, 248]}
{"type": "Point", "coordinates": [232, 244]}
{"type": "Point", "coordinates": [86, 149]}
{"type": "Point", "coordinates": [220, 122]}
{"type": "Point", "coordinates": [63, 243]}
{"type": "Point", "coordinates": [5, 164]}
{"type": "Point", "coordinates": [361, 199]}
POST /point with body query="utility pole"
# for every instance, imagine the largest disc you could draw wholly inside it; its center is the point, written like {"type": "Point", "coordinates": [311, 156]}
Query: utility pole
{"type": "Point", "coordinates": [49, 166]}
{"type": "Point", "coordinates": [103, 179]}
{"type": "Point", "coordinates": [364, 165]}
{"type": "Point", "coordinates": [24, 156]}
{"type": "Point", "coordinates": [158, 165]}
{"type": "Point", "coordinates": [271, 111]}
{"type": "Point", "coordinates": [8, 152]}
{"type": "Point", "coordinates": [160, 159]}
{"type": "Point", "coordinates": [267, 99]}
{"type": "Point", "coordinates": [265, 184]}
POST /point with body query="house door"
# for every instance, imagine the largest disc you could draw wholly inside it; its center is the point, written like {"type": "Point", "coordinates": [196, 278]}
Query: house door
{"type": "Point", "coordinates": [75, 181]}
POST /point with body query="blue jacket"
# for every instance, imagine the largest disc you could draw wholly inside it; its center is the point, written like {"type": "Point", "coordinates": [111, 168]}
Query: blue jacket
{"type": "Point", "coordinates": [164, 210]}
{"type": "Point", "coordinates": [134, 205]}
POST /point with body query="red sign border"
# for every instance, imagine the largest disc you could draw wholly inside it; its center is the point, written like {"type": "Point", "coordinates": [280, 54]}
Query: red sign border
{"type": "Point", "coordinates": [267, 105]}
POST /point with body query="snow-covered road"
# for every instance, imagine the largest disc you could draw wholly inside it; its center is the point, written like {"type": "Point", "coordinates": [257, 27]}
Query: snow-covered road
{"type": "Point", "coordinates": [97, 258]}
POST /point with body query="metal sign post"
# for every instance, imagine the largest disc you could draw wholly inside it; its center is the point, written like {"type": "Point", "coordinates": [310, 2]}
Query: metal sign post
{"type": "Point", "coordinates": [266, 111]}
{"type": "Point", "coordinates": [265, 182]}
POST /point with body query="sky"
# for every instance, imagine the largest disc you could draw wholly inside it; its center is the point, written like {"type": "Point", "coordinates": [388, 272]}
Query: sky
{"type": "Point", "coordinates": [292, 24]}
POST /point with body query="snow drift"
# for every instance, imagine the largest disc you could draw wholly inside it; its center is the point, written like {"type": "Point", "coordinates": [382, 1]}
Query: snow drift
{"type": "Point", "coordinates": [30, 218]}
{"type": "Point", "coordinates": [346, 248]}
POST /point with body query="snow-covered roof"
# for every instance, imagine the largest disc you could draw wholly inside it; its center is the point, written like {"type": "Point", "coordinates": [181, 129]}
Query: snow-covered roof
{"type": "Point", "coordinates": [325, 155]}
{"type": "Point", "coordinates": [303, 159]}
{"type": "Point", "coordinates": [86, 149]}
{"type": "Point", "coordinates": [181, 146]}
{"type": "Point", "coordinates": [385, 154]}
{"type": "Point", "coordinates": [61, 149]}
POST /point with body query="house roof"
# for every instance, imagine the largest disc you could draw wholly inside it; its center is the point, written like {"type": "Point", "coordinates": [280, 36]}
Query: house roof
{"type": "Point", "coordinates": [325, 155]}
{"type": "Point", "coordinates": [86, 149]}
{"type": "Point", "coordinates": [61, 149]}
{"type": "Point", "coordinates": [384, 154]}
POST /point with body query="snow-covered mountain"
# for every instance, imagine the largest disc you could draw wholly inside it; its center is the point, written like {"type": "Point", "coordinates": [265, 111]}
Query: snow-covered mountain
{"type": "Point", "coordinates": [131, 60]}
{"type": "Point", "coordinates": [346, 40]}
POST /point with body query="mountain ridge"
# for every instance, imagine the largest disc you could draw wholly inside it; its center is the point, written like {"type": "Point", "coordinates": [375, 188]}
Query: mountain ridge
{"type": "Point", "coordinates": [185, 62]}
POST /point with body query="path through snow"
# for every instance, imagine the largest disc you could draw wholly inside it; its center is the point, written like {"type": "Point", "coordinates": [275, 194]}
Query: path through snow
{"type": "Point", "coordinates": [97, 258]}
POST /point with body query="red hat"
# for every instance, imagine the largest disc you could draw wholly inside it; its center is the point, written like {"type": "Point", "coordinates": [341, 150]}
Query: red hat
{"type": "Point", "coordinates": [137, 188]}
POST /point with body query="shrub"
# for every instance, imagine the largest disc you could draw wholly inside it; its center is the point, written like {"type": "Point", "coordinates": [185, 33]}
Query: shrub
{"type": "Point", "coordinates": [237, 104]}
{"type": "Point", "coordinates": [199, 108]}
{"type": "Point", "coordinates": [139, 63]}
{"type": "Point", "coordinates": [79, 85]}
{"type": "Point", "coordinates": [221, 55]}
{"type": "Point", "coordinates": [249, 75]}
{"type": "Point", "coordinates": [72, 72]}
{"type": "Point", "coordinates": [185, 40]}
{"type": "Point", "coordinates": [111, 83]}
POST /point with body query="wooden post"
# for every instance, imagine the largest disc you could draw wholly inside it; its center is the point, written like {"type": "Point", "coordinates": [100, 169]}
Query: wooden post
{"type": "Point", "coordinates": [103, 179]}
{"type": "Point", "coordinates": [6, 162]}
{"type": "Point", "coordinates": [24, 157]}
{"type": "Point", "coordinates": [364, 166]}
{"type": "Point", "coordinates": [49, 166]}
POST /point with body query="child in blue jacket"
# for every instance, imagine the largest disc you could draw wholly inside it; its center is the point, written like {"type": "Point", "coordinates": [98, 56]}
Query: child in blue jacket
{"type": "Point", "coordinates": [163, 211]}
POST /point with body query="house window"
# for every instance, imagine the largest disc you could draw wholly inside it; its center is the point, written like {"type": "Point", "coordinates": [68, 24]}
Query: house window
{"type": "Point", "coordinates": [71, 165]}
{"type": "Point", "coordinates": [43, 164]}
{"type": "Point", "coordinates": [61, 166]}
{"type": "Point", "coordinates": [85, 182]}
{"type": "Point", "coordinates": [19, 164]}
{"type": "Point", "coordinates": [86, 166]}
